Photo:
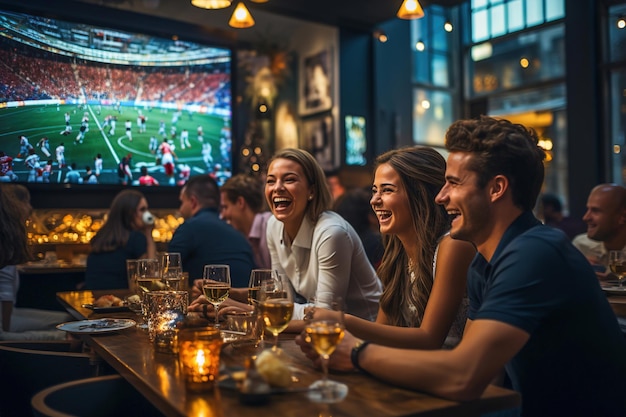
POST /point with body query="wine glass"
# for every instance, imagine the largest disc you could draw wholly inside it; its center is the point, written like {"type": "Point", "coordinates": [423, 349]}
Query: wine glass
{"type": "Point", "coordinates": [216, 285]}
{"type": "Point", "coordinates": [257, 277]}
{"type": "Point", "coordinates": [147, 278]}
{"type": "Point", "coordinates": [171, 270]}
{"type": "Point", "coordinates": [617, 264]}
{"type": "Point", "coordinates": [275, 304]}
{"type": "Point", "coordinates": [325, 334]}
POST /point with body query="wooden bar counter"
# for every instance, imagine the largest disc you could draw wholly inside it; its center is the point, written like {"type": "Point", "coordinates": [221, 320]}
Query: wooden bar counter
{"type": "Point", "coordinates": [158, 377]}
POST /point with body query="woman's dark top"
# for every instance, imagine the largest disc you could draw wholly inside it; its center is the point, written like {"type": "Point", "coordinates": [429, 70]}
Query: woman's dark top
{"type": "Point", "coordinates": [107, 270]}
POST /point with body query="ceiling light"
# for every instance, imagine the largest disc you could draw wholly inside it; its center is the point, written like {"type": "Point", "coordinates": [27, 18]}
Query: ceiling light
{"type": "Point", "coordinates": [410, 9]}
{"type": "Point", "coordinates": [420, 45]}
{"type": "Point", "coordinates": [211, 4]}
{"type": "Point", "coordinates": [621, 22]}
{"type": "Point", "coordinates": [241, 17]}
{"type": "Point", "coordinates": [380, 36]}
{"type": "Point", "coordinates": [447, 26]}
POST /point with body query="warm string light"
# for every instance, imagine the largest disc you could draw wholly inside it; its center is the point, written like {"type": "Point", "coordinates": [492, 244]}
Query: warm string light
{"type": "Point", "coordinates": [211, 4]}
{"type": "Point", "coordinates": [241, 17]}
{"type": "Point", "coordinates": [410, 9]}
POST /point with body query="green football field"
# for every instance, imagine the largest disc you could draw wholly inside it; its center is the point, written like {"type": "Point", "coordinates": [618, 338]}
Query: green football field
{"type": "Point", "coordinates": [35, 122]}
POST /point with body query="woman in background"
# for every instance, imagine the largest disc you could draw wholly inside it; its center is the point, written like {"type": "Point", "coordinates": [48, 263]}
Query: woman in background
{"type": "Point", "coordinates": [123, 236]}
{"type": "Point", "coordinates": [20, 323]}
{"type": "Point", "coordinates": [423, 269]}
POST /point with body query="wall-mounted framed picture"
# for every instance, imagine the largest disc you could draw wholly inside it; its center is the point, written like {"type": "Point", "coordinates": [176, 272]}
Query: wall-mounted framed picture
{"type": "Point", "coordinates": [316, 83]}
{"type": "Point", "coordinates": [319, 139]}
{"type": "Point", "coordinates": [356, 140]}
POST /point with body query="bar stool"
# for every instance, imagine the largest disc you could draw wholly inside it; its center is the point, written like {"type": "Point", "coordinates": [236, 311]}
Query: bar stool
{"type": "Point", "coordinates": [102, 396]}
{"type": "Point", "coordinates": [27, 367]}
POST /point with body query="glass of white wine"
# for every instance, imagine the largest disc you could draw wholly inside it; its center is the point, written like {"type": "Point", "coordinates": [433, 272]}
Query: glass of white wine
{"type": "Point", "coordinates": [324, 335]}
{"type": "Point", "coordinates": [275, 304]}
{"type": "Point", "coordinates": [148, 278]}
{"type": "Point", "coordinates": [617, 264]}
{"type": "Point", "coordinates": [257, 277]}
{"type": "Point", "coordinates": [216, 286]}
{"type": "Point", "coordinates": [171, 270]}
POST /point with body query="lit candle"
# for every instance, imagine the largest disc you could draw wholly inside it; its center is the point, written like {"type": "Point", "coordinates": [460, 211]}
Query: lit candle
{"type": "Point", "coordinates": [199, 356]}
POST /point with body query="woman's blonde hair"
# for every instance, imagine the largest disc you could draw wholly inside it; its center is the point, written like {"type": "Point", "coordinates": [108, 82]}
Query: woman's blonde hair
{"type": "Point", "coordinates": [422, 174]}
{"type": "Point", "coordinates": [322, 199]}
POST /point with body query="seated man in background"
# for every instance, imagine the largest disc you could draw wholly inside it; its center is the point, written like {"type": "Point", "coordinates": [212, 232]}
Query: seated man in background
{"type": "Point", "coordinates": [243, 207]}
{"type": "Point", "coordinates": [206, 239]}
{"type": "Point", "coordinates": [606, 226]}
{"type": "Point", "coordinates": [552, 211]}
{"type": "Point", "coordinates": [535, 305]}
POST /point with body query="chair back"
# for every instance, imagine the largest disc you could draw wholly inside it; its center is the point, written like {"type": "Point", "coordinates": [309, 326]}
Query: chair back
{"type": "Point", "coordinates": [102, 396]}
{"type": "Point", "coordinates": [27, 367]}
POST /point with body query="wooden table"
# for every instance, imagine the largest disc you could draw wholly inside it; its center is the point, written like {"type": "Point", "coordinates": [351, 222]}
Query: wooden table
{"type": "Point", "coordinates": [158, 377]}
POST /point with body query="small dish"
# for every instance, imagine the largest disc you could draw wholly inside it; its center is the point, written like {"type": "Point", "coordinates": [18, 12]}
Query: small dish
{"type": "Point", "coordinates": [615, 290]}
{"type": "Point", "coordinates": [103, 310]}
{"type": "Point", "coordinates": [96, 326]}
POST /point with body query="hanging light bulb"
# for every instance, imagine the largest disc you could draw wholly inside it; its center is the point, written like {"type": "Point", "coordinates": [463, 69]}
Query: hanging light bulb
{"type": "Point", "coordinates": [420, 45]}
{"type": "Point", "coordinates": [621, 22]}
{"type": "Point", "coordinates": [241, 17]}
{"type": "Point", "coordinates": [211, 4]}
{"type": "Point", "coordinates": [410, 9]}
{"type": "Point", "coordinates": [447, 26]}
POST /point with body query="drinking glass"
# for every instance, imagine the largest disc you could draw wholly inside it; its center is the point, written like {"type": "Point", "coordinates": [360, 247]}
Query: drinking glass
{"type": "Point", "coordinates": [171, 270]}
{"type": "Point", "coordinates": [257, 277]}
{"type": "Point", "coordinates": [324, 335]}
{"type": "Point", "coordinates": [148, 278]}
{"type": "Point", "coordinates": [216, 286]}
{"type": "Point", "coordinates": [275, 306]}
{"type": "Point", "coordinates": [617, 264]}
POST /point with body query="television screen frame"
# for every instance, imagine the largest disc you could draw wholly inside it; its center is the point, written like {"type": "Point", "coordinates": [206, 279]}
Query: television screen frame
{"type": "Point", "coordinates": [123, 23]}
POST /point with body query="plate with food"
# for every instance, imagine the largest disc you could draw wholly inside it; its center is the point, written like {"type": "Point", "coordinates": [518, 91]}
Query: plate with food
{"type": "Point", "coordinates": [96, 326]}
{"type": "Point", "coordinates": [107, 304]}
{"type": "Point", "coordinates": [615, 290]}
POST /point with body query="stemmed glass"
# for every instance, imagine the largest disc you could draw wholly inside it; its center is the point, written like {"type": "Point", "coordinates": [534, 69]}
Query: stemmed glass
{"type": "Point", "coordinates": [257, 277]}
{"type": "Point", "coordinates": [147, 278]}
{"type": "Point", "coordinates": [171, 270]}
{"type": "Point", "coordinates": [617, 264]}
{"type": "Point", "coordinates": [325, 334]}
{"type": "Point", "coordinates": [275, 303]}
{"type": "Point", "coordinates": [216, 286]}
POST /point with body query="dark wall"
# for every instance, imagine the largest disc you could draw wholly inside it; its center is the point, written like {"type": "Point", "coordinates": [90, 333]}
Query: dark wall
{"type": "Point", "coordinates": [392, 99]}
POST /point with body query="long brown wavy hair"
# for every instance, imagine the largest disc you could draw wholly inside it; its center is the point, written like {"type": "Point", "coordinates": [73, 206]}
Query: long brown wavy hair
{"type": "Point", "coordinates": [115, 232]}
{"type": "Point", "coordinates": [422, 173]}
{"type": "Point", "coordinates": [14, 210]}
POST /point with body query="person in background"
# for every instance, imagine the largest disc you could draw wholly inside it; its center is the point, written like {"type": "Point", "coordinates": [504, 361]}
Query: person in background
{"type": "Point", "coordinates": [6, 168]}
{"type": "Point", "coordinates": [354, 206]}
{"type": "Point", "coordinates": [423, 269]}
{"type": "Point", "coordinates": [20, 323]}
{"type": "Point", "coordinates": [205, 239]}
{"type": "Point", "coordinates": [243, 207]}
{"type": "Point", "coordinates": [145, 178]}
{"type": "Point", "coordinates": [124, 173]}
{"type": "Point", "coordinates": [73, 176]}
{"type": "Point", "coordinates": [97, 164]}
{"type": "Point", "coordinates": [123, 236]}
{"type": "Point", "coordinates": [606, 226]}
{"type": "Point", "coordinates": [552, 213]}
{"type": "Point", "coordinates": [315, 248]}
{"type": "Point", "coordinates": [90, 177]}
{"type": "Point", "coordinates": [335, 185]}
{"type": "Point", "coordinates": [535, 303]}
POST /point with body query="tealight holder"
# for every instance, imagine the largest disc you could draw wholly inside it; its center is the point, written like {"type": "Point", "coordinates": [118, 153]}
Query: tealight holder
{"type": "Point", "coordinates": [199, 356]}
{"type": "Point", "coordinates": [165, 311]}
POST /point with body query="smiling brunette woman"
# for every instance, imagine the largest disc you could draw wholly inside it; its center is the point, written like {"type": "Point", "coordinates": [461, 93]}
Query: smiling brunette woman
{"type": "Point", "coordinates": [423, 269]}
{"type": "Point", "coordinates": [315, 248]}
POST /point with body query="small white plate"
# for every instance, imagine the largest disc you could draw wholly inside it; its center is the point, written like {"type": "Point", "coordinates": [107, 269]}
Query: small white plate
{"type": "Point", "coordinates": [96, 326]}
{"type": "Point", "coordinates": [614, 290]}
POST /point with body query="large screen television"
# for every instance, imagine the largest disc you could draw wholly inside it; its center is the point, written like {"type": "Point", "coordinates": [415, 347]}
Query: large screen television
{"type": "Point", "coordinates": [98, 92]}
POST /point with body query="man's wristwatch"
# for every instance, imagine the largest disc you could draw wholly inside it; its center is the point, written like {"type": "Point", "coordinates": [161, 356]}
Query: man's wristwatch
{"type": "Point", "coordinates": [354, 355]}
